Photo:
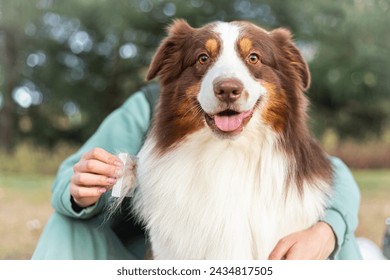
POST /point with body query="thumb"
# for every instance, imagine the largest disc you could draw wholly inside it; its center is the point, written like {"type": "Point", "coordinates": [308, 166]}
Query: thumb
{"type": "Point", "coordinates": [281, 249]}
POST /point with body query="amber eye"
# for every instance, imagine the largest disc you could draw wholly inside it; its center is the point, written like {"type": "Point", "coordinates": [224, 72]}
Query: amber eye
{"type": "Point", "coordinates": [253, 58]}
{"type": "Point", "coordinates": [203, 58]}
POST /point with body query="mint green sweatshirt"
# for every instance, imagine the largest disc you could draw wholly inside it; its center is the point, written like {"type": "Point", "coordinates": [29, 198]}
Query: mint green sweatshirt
{"type": "Point", "coordinates": [86, 235]}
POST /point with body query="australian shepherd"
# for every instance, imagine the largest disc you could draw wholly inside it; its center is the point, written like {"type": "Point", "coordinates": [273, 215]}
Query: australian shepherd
{"type": "Point", "coordinates": [229, 166]}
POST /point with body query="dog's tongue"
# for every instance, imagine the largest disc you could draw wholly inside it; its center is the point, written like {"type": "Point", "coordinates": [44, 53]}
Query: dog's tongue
{"type": "Point", "coordinates": [230, 123]}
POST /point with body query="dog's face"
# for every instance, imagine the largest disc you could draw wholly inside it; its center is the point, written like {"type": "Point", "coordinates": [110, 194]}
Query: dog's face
{"type": "Point", "coordinates": [218, 75]}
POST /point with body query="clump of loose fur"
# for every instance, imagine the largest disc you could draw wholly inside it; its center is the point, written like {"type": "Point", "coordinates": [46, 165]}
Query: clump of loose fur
{"type": "Point", "coordinates": [125, 185]}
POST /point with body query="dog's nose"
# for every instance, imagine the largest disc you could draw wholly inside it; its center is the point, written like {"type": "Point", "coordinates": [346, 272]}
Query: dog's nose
{"type": "Point", "coordinates": [228, 90]}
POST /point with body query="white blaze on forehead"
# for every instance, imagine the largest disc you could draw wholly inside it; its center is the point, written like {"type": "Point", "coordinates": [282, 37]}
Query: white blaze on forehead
{"type": "Point", "coordinates": [229, 64]}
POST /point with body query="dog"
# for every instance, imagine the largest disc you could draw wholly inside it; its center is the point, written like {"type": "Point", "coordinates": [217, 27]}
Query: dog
{"type": "Point", "coordinates": [229, 166]}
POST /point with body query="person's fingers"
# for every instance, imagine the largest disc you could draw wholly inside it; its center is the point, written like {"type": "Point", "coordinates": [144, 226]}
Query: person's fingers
{"type": "Point", "coordinates": [88, 179]}
{"type": "Point", "coordinates": [102, 155]}
{"type": "Point", "coordinates": [294, 253]}
{"type": "Point", "coordinates": [97, 167]}
{"type": "Point", "coordinates": [85, 197]}
{"type": "Point", "coordinates": [281, 249]}
{"type": "Point", "coordinates": [92, 192]}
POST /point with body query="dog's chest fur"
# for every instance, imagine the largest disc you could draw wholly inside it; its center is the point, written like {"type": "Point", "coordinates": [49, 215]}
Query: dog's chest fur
{"type": "Point", "coordinates": [212, 198]}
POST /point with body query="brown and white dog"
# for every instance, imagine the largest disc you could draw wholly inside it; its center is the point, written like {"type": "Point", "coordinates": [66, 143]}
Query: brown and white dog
{"type": "Point", "coordinates": [229, 166]}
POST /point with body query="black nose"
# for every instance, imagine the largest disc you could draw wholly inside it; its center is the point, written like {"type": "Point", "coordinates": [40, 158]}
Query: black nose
{"type": "Point", "coordinates": [228, 90]}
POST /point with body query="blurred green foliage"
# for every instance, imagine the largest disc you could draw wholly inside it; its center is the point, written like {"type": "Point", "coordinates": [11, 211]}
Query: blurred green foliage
{"type": "Point", "coordinates": [65, 65]}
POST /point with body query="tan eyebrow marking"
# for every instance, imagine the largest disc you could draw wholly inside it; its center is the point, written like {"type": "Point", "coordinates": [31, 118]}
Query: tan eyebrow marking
{"type": "Point", "coordinates": [245, 46]}
{"type": "Point", "coordinates": [212, 46]}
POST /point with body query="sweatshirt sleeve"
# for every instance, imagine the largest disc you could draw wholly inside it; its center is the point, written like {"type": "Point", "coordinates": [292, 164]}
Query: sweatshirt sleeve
{"type": "Point", "coordinates": [343, 208]}
{"type": "Point", "coordinates": [123, 130]}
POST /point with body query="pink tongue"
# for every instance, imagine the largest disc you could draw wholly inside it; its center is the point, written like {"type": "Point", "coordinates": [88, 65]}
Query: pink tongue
{"type": "Point", "coordinates": [230, 123]}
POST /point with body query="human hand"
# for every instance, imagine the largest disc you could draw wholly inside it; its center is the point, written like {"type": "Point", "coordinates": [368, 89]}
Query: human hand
{"type": "Point", "coordinates": [314, 243]}
{"type": "Point", "coordinates": [95, 173]}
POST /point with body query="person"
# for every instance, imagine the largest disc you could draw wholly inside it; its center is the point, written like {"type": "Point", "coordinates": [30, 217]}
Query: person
{"type": "Point", "coordinates": [79, 228]}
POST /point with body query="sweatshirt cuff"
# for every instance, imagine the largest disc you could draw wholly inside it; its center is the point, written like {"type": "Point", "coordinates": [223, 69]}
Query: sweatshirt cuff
{"type": "Point", "coordinates": [81, 213]}
{"type": "Point", "coordinates": [336, 221]}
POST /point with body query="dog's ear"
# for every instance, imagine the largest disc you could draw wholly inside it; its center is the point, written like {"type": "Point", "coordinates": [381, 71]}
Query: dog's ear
{"type": "Point", "coordinates": [283, 39]}
{"type": "Point", "coordinates": [166, 61]}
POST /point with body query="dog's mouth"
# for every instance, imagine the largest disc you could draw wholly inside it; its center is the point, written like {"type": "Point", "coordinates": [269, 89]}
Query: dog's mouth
{"type": "Point", "coordinates": [229, 122]}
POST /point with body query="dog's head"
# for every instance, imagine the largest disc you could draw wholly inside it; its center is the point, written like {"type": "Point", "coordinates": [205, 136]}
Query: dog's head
{"type": "Point", "coordinates": [219, 74]}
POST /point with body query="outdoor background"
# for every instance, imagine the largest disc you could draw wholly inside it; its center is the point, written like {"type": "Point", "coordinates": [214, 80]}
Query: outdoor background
{"type": "Point", "coordinates": [65, 65]}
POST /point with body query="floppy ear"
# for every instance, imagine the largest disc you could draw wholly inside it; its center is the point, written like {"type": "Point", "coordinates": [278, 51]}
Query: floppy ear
{"type": "Point", "coordinates": [283, 39]}
{"type": "Point", "coordinates": [166, 61]}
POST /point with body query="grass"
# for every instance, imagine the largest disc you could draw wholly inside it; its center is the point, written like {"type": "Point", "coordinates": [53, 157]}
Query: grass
{"type": "Point", "coordinates": [24, 198]}
{"type": "Point", "coordinates": [30, 159]}
{"type": "Point", "coordinates": [25, 208]}
{"type": "Point", "coordinates": [375, 203]}
{"type": "Point", "coordinates": [373, 181]}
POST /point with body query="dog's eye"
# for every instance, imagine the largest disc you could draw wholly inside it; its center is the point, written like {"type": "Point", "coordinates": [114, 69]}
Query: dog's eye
{"type": "Point", "coordinates": [203, 58]}
{"type": "Point", "coordinates": [253, 58]}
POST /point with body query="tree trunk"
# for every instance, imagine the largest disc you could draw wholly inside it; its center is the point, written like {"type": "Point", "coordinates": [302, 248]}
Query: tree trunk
{"type": "Point", "coordinates": [7, 112]}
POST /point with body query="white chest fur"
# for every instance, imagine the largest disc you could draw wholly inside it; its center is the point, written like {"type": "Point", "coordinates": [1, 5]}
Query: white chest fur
{"type": "Point", "coordinates": [210, 198]}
